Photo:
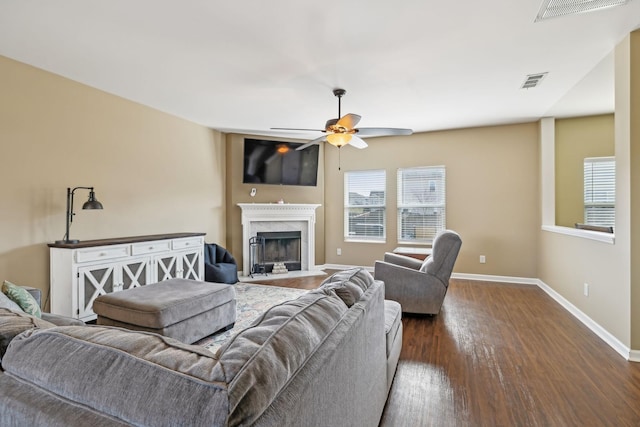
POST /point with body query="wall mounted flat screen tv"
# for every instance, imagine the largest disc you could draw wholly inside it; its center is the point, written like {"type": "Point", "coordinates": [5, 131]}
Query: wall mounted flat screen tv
{"type": "Point", "coordinates": [277, 162]}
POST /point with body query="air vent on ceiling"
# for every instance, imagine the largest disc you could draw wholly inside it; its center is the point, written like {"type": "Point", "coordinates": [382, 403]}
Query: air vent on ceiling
{"type": "Point", "coordinates": [555, 8]}
{"type": "Point", "coordinates": [533, 80]}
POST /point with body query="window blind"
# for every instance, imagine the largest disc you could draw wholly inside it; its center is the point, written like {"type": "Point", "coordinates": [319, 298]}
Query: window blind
{"type": "Point", "coordinates": [421, 203]}
{"type": "Point", "coordinates": [600, 191]}
{"type": "Point", "coordinates": [365, 205]}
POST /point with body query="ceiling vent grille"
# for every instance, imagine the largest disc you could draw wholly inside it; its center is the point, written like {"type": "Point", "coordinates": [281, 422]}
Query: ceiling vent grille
{"type": "Point", "coordinates": [533, 80]}
{"type": "Point", "coordinates": [556, 8]}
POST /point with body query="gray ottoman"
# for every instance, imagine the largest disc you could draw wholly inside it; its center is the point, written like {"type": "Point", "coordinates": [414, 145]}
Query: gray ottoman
{"type": "Point", "coordinates": [187, 310]}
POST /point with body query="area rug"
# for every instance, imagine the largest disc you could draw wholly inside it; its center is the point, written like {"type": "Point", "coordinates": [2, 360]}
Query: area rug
{"type": "Point", "coordinates": [251, 301]}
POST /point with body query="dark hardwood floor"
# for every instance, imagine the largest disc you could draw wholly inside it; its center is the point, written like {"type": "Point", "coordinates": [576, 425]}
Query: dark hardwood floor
{"type": "Point", "coordinates": [505, 355]}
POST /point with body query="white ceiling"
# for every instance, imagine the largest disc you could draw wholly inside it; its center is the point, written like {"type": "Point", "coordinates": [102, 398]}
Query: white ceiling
{"type": "Point", "coordinates": [248, 65]}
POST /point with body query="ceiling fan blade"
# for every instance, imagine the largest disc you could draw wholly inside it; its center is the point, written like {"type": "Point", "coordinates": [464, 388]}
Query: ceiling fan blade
{"type": "Point", "coordinates": [311, 130]}
{"type": "Point", "coordinates": [312, 142]}
{"type": "Point", "coordinates": [349, 121]}
{"type": "Point", "coordinates": [357, 142]}
{"type": "Point", "coordinates": [383, 131]}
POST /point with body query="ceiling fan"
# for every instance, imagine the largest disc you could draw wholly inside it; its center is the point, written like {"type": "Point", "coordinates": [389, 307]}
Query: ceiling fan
{"type": "Point", "coordinates": [343, 131]}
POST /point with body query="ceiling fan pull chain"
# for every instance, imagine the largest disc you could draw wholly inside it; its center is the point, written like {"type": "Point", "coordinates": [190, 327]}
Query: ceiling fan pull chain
{"type": "Point", "coordinates": [339, 157]}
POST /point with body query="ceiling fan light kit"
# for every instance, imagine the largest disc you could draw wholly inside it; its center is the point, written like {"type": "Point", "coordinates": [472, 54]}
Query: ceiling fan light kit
{"type": "Point", "coordinates": [342, 131]}
{"type": "Point", "coordinates": [339, 139]}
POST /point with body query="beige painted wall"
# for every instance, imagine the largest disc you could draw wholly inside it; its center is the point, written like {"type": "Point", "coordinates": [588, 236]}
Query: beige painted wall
{"type": "Point", "coordinates": [568, 262]}
{"type": "Point", "coordinates": [611, 270]}
{"type": "Point", "coordinates": [491, 172]}
{"type": "Point", "coordinates": [154, 173]}
{"type": "Point", "coordinates": [492, 194]}
{"type": "Point", "coordinates": [237, 192]}
{"type": "Point", "coordinates": [630, 122]}
{"type": "Point", "coordinates": [577, 138]}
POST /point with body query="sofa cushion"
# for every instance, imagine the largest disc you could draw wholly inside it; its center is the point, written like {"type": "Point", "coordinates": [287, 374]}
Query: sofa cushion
{"type": "Point", "coordinates": [22, 297]}
{"type": "Point", "coordinates": [358, 276]}
{"type": "Point", "coordinates": [13, 323]}
{"type": "Point", "coordinates": [260, 360]}
{"type": "Point", "coordinates": [139, 378]}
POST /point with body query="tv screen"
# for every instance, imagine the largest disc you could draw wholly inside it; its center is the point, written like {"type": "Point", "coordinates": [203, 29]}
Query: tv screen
{"type": "Point", "coordinates": [277, 162]}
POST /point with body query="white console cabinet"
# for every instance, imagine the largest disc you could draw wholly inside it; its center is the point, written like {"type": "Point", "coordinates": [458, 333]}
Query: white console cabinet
{"type": "Point", "coordinates": [80, 272]}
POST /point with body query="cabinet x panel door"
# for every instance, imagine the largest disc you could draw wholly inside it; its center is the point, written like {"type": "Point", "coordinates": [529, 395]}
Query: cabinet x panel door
{"type": "Point", "coordinates": [166, 268]}
{"type": "Point", "coordinates": [135, 274]}
{"type": "Point", "coordinates": [93, 283]}
{"type": "Point", "coordinates": [190, 266]}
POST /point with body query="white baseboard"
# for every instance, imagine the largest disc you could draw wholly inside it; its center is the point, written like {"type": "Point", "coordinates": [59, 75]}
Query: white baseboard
{"type": "Point", "coordinates": [613, 342]}
{"type": "Point", "coordinates": [344, 267]}
{"type": "Point", "coordinates": [499, 279]}
{"type": "Point", "coordinates": [603, 334]}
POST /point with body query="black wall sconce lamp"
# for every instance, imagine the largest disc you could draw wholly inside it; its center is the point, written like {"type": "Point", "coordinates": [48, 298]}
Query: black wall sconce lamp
{"type": "Point", "coordinates": [92, 203]}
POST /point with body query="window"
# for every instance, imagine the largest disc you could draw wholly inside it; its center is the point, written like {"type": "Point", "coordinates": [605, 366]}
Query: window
{"type": "Point", "coordinates": [364, 205]}
{"type": "Point", "coordinates": [600, 191]}
{"type": "Point", "coordinates": [421, 203]}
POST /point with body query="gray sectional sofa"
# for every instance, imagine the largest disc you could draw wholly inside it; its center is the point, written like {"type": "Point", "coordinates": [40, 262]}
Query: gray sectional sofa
{"type": "Point", "coordinates": [324, 359]}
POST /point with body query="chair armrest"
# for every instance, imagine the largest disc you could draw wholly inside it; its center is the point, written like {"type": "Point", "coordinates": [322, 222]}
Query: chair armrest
{"type": "Point", "coordinates": [403, 260]}
{"type": "Point", "coordinates": [416, 291]}
{"type": "Point", "coordinates": [394, 274]}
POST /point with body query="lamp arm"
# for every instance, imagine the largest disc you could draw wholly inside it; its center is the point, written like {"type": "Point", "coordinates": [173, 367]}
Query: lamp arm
{"type": "Point", "coordinates": [70, 212]}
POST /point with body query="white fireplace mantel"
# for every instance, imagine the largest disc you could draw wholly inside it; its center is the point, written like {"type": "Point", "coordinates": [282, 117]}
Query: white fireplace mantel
{"type": "Point", "coordinates": [258, 217]}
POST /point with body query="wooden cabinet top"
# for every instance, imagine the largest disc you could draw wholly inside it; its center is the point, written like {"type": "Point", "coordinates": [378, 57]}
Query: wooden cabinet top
{"type": "Point", "coordinates": [122, 240]}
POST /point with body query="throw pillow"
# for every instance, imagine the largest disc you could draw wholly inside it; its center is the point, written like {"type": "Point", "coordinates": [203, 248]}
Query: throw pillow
{"type": "Point", "coordinates": [348, 292]}
{"type": "Point", "coordinates": [20, 296]}
{"type": "Point", "coordinates": [358, 276]}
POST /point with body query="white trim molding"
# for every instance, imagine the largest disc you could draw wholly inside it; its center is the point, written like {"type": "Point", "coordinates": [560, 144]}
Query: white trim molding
{"type": "Point", "coordinates": [585, 234]}
{"type": "Point", "coordinates": [607, 337]}
{"type": "Point", "coordinates": [499, 279]}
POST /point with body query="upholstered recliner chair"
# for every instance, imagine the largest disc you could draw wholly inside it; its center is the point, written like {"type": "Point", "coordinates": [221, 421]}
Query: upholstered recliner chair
{"type": "Point", "coordinates": [420, 286]}
{"type": "Point", "coordinates": [219, 265]}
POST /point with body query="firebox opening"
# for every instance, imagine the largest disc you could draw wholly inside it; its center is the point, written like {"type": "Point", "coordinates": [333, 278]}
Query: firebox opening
{"type": "Point", "coordinates": [282, 246]}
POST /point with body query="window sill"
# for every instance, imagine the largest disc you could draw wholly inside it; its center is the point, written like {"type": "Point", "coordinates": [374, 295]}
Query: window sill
{"type": "Point", "coordinates": [583, 234]}
{"type": "Point", "coordinates": [364, 241]}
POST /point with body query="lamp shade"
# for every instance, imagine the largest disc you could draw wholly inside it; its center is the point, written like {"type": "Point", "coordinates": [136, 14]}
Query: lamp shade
{"type": "Point", "coordinates": [92, 203]}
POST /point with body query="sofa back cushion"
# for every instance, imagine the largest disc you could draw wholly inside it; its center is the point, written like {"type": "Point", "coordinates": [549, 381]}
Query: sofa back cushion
{"type": "Point", "coordinates": [139, 378]}
{"type": "Point", "coordinates": [259, 361]}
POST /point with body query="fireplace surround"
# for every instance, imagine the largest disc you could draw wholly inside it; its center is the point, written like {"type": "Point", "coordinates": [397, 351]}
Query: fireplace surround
{"type": "Point", "coordinates": [280, 217]}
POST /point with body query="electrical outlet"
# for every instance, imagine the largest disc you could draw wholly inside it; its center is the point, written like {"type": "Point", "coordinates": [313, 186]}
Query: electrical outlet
{"type": "Point", "coordinates": [483, 259]}
{"type": "Point", "coordinates": [586, 290]}
{"type": "Point", "coordinates": [339, 251]}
